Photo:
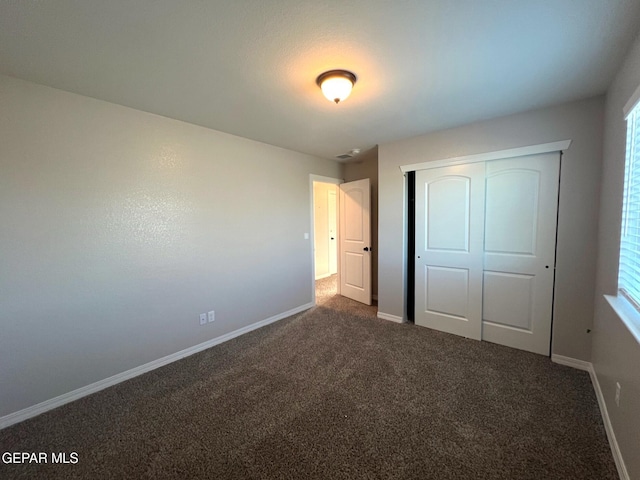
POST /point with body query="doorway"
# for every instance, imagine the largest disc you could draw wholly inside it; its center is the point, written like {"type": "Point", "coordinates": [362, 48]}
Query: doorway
{"type": "Point", "coordinates": [341, 235]}
{"type": "Point", "coordinates": [325, 239]}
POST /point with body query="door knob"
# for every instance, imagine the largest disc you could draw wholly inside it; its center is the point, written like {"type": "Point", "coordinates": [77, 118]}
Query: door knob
{"type": "Point", "coordinates": [332, 238]}
{"type": "Point", "coordinates": [366, 249]}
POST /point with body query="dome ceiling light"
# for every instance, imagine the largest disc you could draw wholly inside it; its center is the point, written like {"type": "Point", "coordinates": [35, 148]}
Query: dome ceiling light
{"type": "Point", "coordinates": [336, 85]}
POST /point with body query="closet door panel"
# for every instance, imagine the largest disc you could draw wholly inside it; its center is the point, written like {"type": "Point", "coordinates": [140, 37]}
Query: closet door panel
{"type": "Point", "coordinates": [449, 249]}
{"type": "Point", "coordinates": [520, 236]}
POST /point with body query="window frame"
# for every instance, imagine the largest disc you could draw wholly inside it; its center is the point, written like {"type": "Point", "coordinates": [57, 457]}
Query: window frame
{"type": "Point", "coordinates": [630, 220]}
{"type": "Point", "coordinates": [624, 304]}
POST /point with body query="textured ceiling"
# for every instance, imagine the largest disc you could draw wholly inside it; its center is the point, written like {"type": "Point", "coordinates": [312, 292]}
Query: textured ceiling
{"type": "Point", "coordinates": [248, 67]}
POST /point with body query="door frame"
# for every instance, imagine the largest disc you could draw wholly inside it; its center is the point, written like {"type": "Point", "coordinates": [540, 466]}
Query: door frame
{"type": "Point", "coordinates": [333, 181]}
{"type": "Point", "coordinates": [485, 157]}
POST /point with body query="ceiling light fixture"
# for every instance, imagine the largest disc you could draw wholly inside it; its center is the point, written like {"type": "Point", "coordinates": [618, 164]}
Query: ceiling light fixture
{"type": "Point", "coordinates": [336, 85]}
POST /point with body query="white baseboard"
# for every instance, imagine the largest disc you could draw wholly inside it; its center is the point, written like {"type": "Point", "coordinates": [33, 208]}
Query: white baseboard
{"type": "Point", "coordinates": [65, 398]}
{"type": "Point", "coordinates": [572, 362]}
{"type": "Point", "coordinates": [391, 318]}
{"type": "Point", "coordinates": [613, 443]}
{"type": "Point", "coordinates": [325, 275]}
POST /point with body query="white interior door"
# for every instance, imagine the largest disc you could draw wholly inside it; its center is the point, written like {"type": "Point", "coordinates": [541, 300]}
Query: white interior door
{"type": "Point", "coordinates": [321, 244]}
{"type": "Point", "coordinates": [449, 250]}
{"type": "Point", "coordinates": [333, 233]}
{"type": "Point", "coordinates": [519, 257]}
{"type": "Point", "coordinates": [355, 240]}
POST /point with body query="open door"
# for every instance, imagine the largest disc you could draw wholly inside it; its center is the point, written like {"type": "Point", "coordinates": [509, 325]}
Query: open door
{"type": "Point", "coordinates": [355, 240]}
{"type": "Point", "coordinates": [333, 231]}
{"type": "Point", "coordinates": [325, 229]}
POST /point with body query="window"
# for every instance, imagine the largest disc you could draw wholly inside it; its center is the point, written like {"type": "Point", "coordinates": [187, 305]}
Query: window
{"type": "Point", "coordinates": [629, 272]}
{"type": "Point", "coordinates": [627, 302]}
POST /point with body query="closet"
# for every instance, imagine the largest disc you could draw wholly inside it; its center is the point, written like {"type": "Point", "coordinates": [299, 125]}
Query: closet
{"type": "Point", "coordinates": [485, 236]}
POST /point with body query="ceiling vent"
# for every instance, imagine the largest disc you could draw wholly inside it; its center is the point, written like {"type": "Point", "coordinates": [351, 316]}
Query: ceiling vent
{"type": "Point", "coordinates": [352, 153]}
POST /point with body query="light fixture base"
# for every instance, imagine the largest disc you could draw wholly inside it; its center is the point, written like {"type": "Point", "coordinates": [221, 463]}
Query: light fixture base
{"type": "Point", "coordinates": [336, 73]}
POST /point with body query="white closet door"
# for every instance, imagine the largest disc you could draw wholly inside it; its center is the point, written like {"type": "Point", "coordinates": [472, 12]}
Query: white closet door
{"type": "Point", "coordinates": [519, 237]}
{"type": "Point", "coordinates": [449, 250]}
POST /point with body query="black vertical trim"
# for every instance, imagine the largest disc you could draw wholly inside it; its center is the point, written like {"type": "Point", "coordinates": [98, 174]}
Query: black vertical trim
{"type": "Point", "coordinates": [555, 259]}
{"type": "Point", "coordinates": [411, 244]}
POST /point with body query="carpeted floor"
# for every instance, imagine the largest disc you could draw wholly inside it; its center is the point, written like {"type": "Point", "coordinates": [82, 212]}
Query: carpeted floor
{"type": "Point", "coordinates": [332, 393]}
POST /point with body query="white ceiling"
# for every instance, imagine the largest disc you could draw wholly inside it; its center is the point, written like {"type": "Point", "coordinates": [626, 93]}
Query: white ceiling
{"type": "Point", "coordinates": [248, 67]}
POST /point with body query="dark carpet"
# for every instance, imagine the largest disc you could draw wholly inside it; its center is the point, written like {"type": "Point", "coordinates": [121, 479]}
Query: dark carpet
{"type": "Point", "coordinates": [331, 393]}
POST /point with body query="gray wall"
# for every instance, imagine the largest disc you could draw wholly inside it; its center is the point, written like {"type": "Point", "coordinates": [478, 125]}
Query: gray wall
{"type": "Point", "coordinates": [616, 353]}
{"type": "Point", "coordinates": [367, 167]}
{"type": "Point", "coordinates": [119, 227]}
{"type": "Point", "coordinates": [581, 122]}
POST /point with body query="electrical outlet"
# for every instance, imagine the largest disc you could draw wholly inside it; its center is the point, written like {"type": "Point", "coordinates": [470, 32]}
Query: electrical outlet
{"type": "Point", "coordinates": [212, 316]}
{"type": "Point", "coordinates": [203, 318]}
{"type": "Point", "coordinates": [618, 388]}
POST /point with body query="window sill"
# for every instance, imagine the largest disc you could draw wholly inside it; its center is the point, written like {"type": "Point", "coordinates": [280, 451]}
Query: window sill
{"type": "Point", "coordinates": [627, 313]}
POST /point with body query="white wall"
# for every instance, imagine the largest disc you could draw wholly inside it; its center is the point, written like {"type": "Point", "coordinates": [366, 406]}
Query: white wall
{"type": "Point", "coordinates": [616, 353]}
{"type": "Point", "coordinates": [119, 227]}
{"type": "Point", "coordinates": [581, 122]}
